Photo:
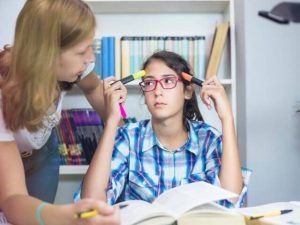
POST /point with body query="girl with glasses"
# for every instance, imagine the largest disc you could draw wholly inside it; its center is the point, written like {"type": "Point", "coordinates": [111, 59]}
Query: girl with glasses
{"type": "Point", "coordinates": [174, 147]}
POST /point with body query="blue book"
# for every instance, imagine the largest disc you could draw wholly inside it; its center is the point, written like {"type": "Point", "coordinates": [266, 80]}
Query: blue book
{"type": "Point", "coordinates": [104, 58]}
{"type": "Point", "coordinates": [111, 56]}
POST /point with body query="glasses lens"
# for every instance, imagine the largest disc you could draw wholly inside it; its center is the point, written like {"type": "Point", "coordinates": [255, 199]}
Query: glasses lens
{"type": "Point", "coordinates": [169, 82]}
{"type": "Point", "coordinates": [148, 85]}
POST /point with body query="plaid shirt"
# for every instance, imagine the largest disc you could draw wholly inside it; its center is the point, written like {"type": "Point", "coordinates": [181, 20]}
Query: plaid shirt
{"type": "Point", "coordinates": [142, 168]}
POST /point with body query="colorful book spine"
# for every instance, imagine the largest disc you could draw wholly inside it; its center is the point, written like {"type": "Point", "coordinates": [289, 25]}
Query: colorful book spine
{"type": "Point", "coordinates": [125, 57]}
{"type": "Point", "coordinates": [111, 56]}
{"type": "Point", "coordinates": [97, 52]}
{"type": "Point", "coordinates": [104, 58]}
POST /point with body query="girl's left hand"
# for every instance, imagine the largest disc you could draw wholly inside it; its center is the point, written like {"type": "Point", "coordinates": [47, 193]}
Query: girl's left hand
{"type": "Point", "coordinates": [213, 91]}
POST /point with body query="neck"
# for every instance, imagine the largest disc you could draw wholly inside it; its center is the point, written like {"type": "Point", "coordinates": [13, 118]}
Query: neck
{"type": "Point", "coordinates": [171, 133]}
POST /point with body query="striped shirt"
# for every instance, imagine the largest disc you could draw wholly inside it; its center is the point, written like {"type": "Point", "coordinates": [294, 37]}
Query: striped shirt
{"type": "Point", "coordinates": [142, 168]}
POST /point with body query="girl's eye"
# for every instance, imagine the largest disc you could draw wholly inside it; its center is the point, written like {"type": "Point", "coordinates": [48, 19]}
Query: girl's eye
{"type": "Point", "coordinates": [148, 82]}
{"type": "Point", "coordinates": [169, 80]}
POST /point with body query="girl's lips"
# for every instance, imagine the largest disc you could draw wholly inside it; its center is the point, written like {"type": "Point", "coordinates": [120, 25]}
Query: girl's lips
{"type": "Point", "coordinates": [159, 104]}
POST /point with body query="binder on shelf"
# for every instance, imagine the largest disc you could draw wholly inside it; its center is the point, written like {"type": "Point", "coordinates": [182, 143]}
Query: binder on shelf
{"type": "Point", "coordinates": [217, 49]}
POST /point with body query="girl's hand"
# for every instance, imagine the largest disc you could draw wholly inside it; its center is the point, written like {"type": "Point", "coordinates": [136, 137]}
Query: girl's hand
{"type": "Point", "coordinates": [213, 91]}
{"type": "Point", "coordinates": [114, 94]}
{"type": "Point", "coordinates": [107, 215]}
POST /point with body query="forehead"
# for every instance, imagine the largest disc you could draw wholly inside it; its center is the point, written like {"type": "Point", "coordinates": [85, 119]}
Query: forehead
{"type": "Point", "coordinates": [157, 69]}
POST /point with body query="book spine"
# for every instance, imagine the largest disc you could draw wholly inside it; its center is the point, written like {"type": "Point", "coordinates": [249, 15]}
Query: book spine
{"type": "Point", "coordinates": [201, 57]}
{"type": "Point", "coordinates": [125, 57]}
{"type": "Point", "coordinates": [118, 58]}
{"type": "Point", "coordinates": [97, 52]}
{"type": "Point", "coordinates": [111, 56]}
{"type": "Point", "coordinates": [104, 57]}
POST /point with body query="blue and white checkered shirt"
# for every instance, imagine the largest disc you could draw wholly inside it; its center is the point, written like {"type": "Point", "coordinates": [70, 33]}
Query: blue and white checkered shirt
{"type": "Point", "coordinates": [142, 168]}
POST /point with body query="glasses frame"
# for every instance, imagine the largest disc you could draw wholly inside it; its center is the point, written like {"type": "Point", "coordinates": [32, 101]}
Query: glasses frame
{"type": "Point", "coordinates": [177, 79]}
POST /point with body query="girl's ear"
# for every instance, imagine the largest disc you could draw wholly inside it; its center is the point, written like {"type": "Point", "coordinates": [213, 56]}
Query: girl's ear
{"type": "Point", "coordinates": [188, 92]}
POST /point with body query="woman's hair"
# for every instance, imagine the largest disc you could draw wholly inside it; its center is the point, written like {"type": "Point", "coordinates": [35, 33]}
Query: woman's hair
{"type": "Point", "coordinates": [178, 64]}
{"type": "Point", "coordinates": [44, 29]}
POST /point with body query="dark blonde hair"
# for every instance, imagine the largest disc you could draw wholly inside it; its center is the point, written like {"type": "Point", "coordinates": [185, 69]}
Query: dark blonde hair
{"type": "Point", "coordinates": [44, 29]}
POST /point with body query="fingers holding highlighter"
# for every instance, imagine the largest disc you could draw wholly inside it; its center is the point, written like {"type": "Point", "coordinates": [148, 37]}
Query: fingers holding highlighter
{"type": "Point", "coordinates": [114, 95]}
{"type": "Point", "coordinates": [90, 211]}
{"type": "Point", "coordinates": [212, 91]}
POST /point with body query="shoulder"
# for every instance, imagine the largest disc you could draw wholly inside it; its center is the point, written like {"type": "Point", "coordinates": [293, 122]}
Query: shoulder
{"type": "Point", "coordinates": [134, 126]}
{"type": "Point", "coordinates": [202, 128]}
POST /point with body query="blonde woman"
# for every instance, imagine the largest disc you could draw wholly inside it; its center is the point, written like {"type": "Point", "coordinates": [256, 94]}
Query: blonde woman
{"type": "Point", "coordinates": [51, 51]}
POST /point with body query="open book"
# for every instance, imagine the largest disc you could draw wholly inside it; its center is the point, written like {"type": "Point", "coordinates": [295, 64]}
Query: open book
{"type": "Point", "coordinates": [289, 218]}
{"type": "Point", "coordinates": [188, 204]}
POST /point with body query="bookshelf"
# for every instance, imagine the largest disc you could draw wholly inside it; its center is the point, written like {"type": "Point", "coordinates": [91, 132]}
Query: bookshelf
{"type": "Point", "coordinates": [161, 18]}
{"type": "Point", "coordinates": [76, 169]}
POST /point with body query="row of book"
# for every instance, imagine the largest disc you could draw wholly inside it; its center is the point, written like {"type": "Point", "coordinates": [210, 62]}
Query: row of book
{"type": "Point", "coordinates": [78, 134]}
{"type": "Point", "coordinates": [126, 55]}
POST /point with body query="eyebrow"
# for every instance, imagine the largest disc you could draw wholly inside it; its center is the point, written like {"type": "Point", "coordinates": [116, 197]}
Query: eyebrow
{"type": "Point", "coordinates": [163, 75]}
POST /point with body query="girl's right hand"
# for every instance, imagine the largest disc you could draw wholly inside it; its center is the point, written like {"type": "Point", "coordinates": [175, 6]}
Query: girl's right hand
{"type": "Point", "coordinates": [114, 94]}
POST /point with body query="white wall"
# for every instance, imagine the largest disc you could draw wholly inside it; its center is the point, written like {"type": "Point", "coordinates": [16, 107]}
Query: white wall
{"type": "Point", "coordinates": [9, 10]}
{"type": "Point", "coordinates": [268, 75]}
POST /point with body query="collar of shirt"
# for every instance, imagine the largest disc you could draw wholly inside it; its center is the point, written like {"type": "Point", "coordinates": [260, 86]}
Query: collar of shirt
{"type": "Point", "coordinates": [151, 140]}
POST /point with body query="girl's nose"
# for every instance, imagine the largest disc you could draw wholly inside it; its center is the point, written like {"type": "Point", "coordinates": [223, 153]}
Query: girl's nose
{"type": "Point", "coordinates": [158, 90]}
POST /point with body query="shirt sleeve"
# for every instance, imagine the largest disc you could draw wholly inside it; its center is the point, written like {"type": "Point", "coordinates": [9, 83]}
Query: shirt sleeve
{"type": "Point", "coordinates": [246, 173]}
{"type": "Point", "coordinates": [119, 167]}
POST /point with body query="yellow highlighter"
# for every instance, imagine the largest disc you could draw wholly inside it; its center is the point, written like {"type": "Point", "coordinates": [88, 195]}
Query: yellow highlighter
{"type": "Point", "coordinates": [270, 214]}
{"type": "Point", "coordinates": [132, 77]}
{"type": "Point", "coordinates": [87, 214]}
{"type": "Point", "coordinates": [92, 212]}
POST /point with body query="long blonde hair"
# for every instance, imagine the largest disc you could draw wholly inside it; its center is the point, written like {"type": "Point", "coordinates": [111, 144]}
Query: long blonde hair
{"type": "Point", "coordinates": [44, 29]}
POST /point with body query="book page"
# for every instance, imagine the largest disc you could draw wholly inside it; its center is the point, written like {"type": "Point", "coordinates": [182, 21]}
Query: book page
{"type": "Point", "coordinates": [289, 218]}
{"type": "Point", "coordinates": [138, 210]}
{"type": "Point", "coordinates": [188, 196]}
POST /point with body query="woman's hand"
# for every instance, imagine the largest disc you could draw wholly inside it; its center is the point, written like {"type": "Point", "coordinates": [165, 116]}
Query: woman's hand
{"type": "Point", "coordinates": [212, 90]}
{"type": "Point", "coordinates": [114, 94]}
{"type": "Point", "coordinates": [106, 213]}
